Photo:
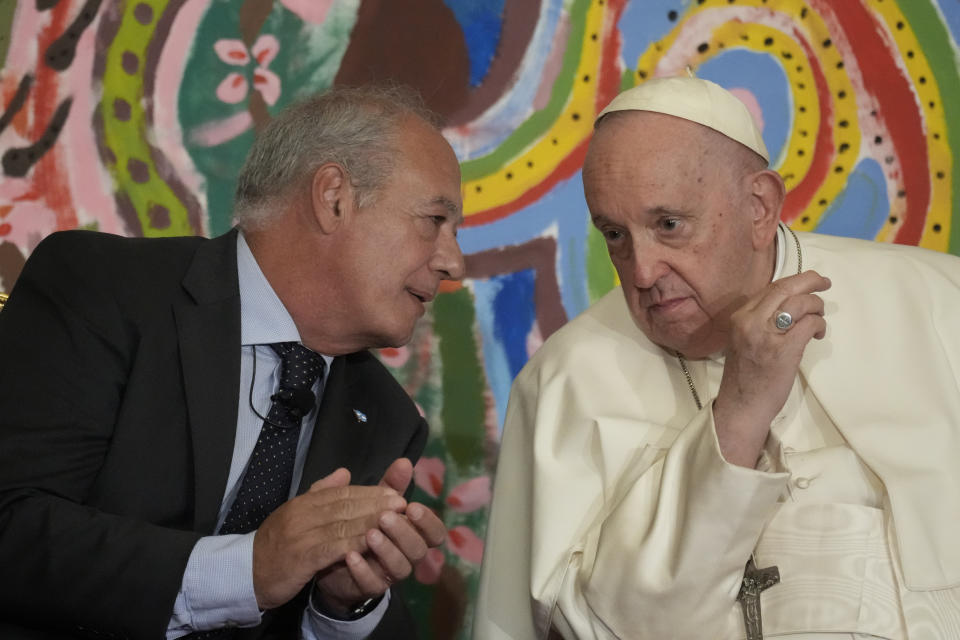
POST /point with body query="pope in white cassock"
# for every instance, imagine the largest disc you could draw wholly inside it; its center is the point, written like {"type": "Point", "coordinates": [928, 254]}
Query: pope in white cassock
{"type": "Point", "coordinates": [758, 435]}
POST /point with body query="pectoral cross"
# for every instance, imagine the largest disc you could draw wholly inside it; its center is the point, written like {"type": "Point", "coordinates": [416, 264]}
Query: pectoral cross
{"type": "Point", "coordinates": [755, 581]}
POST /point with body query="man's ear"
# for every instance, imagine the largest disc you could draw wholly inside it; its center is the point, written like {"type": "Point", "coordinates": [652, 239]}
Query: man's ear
{"type": "Point", "coordinates": [331, 197]}
{"type": "Point", "coordinates": [766, 198]}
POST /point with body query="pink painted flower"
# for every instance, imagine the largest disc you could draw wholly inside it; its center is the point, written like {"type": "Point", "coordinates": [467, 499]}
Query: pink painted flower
{"type": "Point", "coordinates": [234, 87]}
{"type": "Point", "coordinates": [428, 475]}
{"type": "Point", "coordinates": [428, 570]}
{"type": "Point", "coordinates": [465, 543]}
{"type": "Point", "coordinates": [470, 495]}
{"type": "Point", "coordinates": [395, 356]}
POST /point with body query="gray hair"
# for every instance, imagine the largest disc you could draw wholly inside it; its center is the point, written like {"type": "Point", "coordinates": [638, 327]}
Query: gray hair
{"type": "Point", "coordinates": [355, 127]}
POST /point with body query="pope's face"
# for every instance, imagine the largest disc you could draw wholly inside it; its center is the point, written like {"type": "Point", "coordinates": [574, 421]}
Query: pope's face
{"type": "Point", "coordinates": [399, 247]}
{"type": "Point", "coordinates": [677, 222]}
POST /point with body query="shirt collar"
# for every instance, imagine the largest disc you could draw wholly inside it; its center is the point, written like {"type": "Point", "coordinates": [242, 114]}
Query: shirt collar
{"type": "Point", "coordinates": [263, 318]}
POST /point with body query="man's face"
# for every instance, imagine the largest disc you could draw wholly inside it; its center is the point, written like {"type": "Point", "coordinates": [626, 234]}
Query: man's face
{"type": "Point", "coordinates": [399, 247]}
{"type": "Point", "coordinates": [677, 220]}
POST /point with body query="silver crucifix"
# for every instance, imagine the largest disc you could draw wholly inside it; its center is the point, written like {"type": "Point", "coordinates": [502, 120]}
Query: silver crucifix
{"type": "Point", "coordinates": [755, 581]}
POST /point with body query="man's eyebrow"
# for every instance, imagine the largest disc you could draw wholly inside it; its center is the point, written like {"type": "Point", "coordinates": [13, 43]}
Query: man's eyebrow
{"type": "Point", "coordinates": [599, 219]}
{"type": "Point", "coordinates": [667, 211]}
{"type": "Point", "coordinates": [661, 210]}
{"type": "Point", "coordinates": [453, 209]}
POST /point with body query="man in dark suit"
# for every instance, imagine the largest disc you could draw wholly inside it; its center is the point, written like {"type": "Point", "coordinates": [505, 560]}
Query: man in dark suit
{"type": "Point", "coordinates": [141, 443]}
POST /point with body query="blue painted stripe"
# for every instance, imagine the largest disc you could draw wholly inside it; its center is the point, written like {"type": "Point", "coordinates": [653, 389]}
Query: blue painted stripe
{"type": "Point", "coordinates": [862, 207]}
{"type": "Point", "coordinates": [482, 24]}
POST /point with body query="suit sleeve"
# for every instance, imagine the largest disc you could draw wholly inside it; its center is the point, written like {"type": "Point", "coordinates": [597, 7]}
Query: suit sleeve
{"type": "Point", "coordinates": [66, 352]}
{"type": "Point", "coordinates": [654, 548]}
{"type": "Point", "coordinates": [397, 621]}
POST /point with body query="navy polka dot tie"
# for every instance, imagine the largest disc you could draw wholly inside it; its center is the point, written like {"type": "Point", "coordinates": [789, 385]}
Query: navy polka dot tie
{"type": "Point", "coordinates": [266, 483]}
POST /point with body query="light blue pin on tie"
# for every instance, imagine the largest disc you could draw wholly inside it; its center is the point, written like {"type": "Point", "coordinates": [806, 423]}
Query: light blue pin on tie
{"type": "Point", "coordinates": [359, 415]}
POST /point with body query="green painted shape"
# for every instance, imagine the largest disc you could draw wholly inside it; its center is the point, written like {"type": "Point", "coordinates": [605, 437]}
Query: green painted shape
{"type": "Point", "coordinates": [458, 439]}
{"type": "Point", "coordinates": [628, 80]}
{"type": "Point", "coordinates": [601, 276]}
{"type": "Point", "coordinates": [306, 63]}
{"type": "Point", "coordinates": [197, 104]}
{"type": "Point", "coordinates": [463, 381]}
{"type": "Point", "coordinates": [540, 122]}
{"type": "Point", "coordinates": [129, 140]}
{"type": "Point", "coordinates": [7, 9]}
{"type": "Point", "coordinates": [935, 41]}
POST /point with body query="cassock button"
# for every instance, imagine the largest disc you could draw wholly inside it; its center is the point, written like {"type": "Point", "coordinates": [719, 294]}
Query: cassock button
{"type": "Point", "coordinates": [801, 483]}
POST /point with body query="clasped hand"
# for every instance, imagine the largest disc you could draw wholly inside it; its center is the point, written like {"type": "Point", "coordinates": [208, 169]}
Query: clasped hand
{"type": "Point", "coordinates": [354, 540]}
{"type": "Point", "coordinates": [762, 360]}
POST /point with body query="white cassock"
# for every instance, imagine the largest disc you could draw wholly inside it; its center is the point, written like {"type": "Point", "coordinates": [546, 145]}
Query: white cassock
{"type": "Point", "coordinates": [615, 516]}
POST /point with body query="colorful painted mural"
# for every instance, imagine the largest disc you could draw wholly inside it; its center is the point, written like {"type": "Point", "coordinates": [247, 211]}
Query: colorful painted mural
{"type": "Point", "coordinates": [133, 116]}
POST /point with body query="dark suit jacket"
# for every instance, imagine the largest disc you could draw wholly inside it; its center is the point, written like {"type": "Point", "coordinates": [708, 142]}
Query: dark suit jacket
{"type": "Point", "coordinates": [119, 376]}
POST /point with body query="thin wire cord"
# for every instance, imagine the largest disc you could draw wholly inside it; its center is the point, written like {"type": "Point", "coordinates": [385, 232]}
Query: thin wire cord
{"type": "Point", "coordinates": [253, 379]}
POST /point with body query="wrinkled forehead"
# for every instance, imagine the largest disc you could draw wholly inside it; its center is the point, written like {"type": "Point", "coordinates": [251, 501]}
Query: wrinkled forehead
{"type": "Point", "coordinates": [642, 159]}
{"type": "Point", "coordinates": [427, 156]}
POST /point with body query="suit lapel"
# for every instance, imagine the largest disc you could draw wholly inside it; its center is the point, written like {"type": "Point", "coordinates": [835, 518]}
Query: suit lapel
{"type": "Point", "coordinates": [342, 433]}
{"type": "Point", "coordinates": [208, 329]}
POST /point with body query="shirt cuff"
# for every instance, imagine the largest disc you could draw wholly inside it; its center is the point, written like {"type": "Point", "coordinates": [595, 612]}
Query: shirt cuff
{"type": "Point", "coordinates": [315, 625]}
{"type": "Point", "coordinates": [217, 588]}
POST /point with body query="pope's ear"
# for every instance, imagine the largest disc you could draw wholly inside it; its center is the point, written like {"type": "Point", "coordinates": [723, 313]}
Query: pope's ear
{"type": "Point", "coordinates": [331, 196]}
{"type": "Point", "coordinates": [767, 195]}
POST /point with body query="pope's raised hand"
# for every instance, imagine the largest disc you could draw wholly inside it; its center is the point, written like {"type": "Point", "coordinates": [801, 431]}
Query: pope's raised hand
{"type": "Point", "coordinates": [761, 361]}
